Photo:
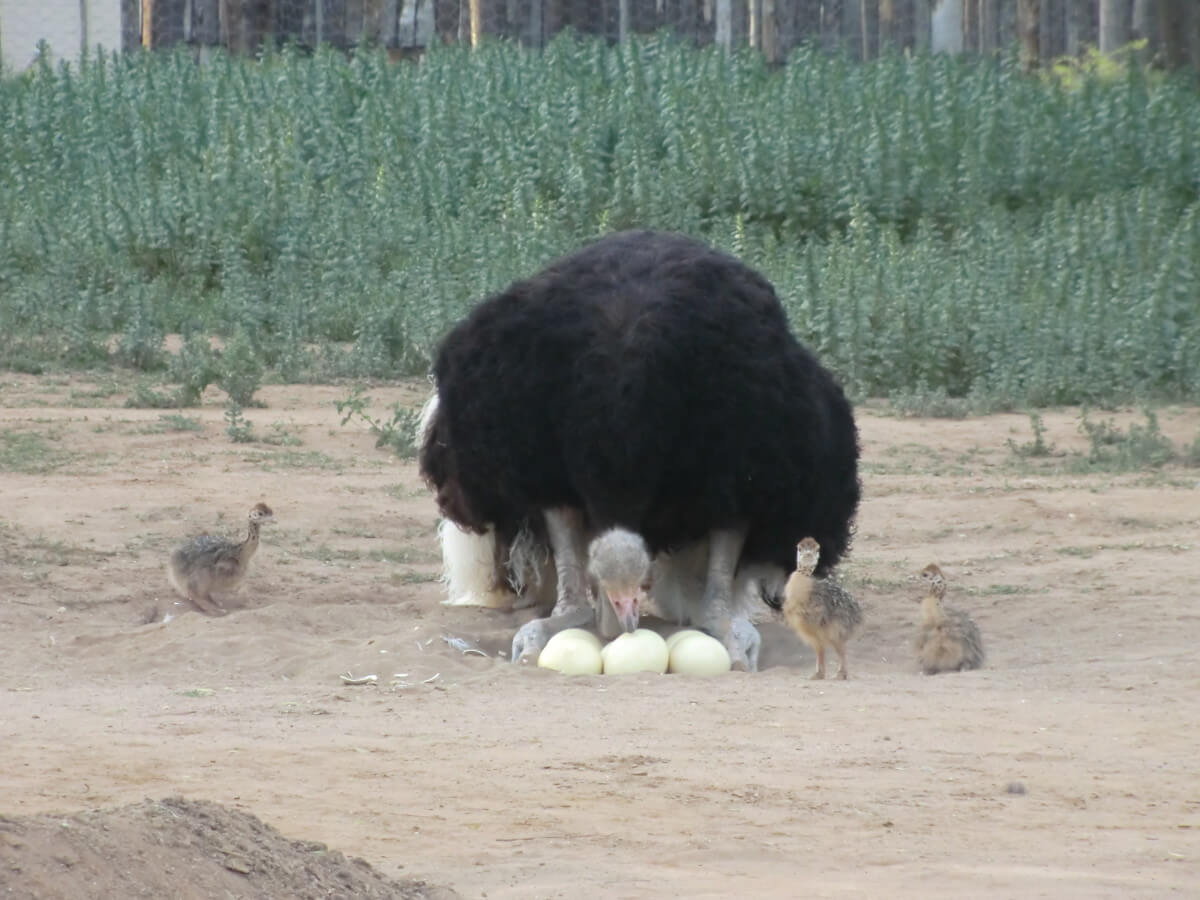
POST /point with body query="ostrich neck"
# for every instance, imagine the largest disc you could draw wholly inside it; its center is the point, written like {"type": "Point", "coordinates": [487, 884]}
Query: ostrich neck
{"type": "Point", "coordinates": [250, 544]}
{"type": "Point", "coordinates": [931, 609]}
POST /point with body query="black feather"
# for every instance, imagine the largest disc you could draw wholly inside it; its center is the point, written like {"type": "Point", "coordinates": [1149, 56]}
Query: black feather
{"type": "Point", "coordinates": [653, 382]}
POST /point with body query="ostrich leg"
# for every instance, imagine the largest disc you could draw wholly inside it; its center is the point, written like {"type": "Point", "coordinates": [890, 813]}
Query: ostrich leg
{"type": "Point", "coordinates": [717, 616]}
{"type": "Point", "coordinates": [572, 608]}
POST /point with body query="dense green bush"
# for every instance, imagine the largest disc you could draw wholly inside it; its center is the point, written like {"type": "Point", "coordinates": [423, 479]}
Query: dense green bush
{"type": "Point", "coordinates": [934, 224]}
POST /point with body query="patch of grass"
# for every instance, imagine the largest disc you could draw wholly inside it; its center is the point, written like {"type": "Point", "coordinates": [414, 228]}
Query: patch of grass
{"type": "Point", "coordinates": [933, 403]}
{"type": "Point", "coordinates": [19, 549]}
{"type": "Point", "coordinates": [1006, 589]}
{"type": "Point", "coordinates": [297, 459]}
{"type": "Point", "coordinates": [96, 395]}
{"type": "Point", "coordinates": [1141, 447]}
{"type": "Point", "coordinates": [281, 435]}
{"type": "Point", "coordinates": [31, 453]}
{"type": "Point", "coordinates": [172, 422]}
{"type": "Point", "coordinates": [146, 397]}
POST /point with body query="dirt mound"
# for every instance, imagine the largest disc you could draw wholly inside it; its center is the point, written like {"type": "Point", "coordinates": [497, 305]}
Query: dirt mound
{"type": "Point", "coordinates": [181, 849]}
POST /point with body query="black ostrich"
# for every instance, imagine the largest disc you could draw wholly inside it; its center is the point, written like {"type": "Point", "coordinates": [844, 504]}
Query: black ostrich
{"type": "Point", "coordinates": [650, 383]}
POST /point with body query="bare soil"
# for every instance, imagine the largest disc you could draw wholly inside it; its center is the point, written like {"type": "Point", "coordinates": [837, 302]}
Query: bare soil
{"type": "Point", "coordinates": [138, 737]}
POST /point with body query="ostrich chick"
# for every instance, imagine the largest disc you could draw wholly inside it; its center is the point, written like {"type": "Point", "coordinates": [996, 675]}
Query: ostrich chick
{"type": "Point", "coordinates": [619, 568]}
{"type": "Point", "coordinates": [819, 609]}
{"type": "Point", "coordinates": [207, 564]}
{"type": "Point", "coordinates": [949, 639]}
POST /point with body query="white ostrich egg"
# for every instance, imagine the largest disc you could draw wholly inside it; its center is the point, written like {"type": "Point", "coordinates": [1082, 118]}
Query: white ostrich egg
{"type": "Point", "coordinates": [679, 636]}
{"type": "Point", "coordinates": [698, 654]}
{"type": "Point", "coordinates": [639, 651]}
{"type": "Point", "coordinates": [572, 651]}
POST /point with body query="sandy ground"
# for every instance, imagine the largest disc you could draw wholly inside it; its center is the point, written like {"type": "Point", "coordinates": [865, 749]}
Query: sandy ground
{"type": "Point", "coordinates": [1066, 768]}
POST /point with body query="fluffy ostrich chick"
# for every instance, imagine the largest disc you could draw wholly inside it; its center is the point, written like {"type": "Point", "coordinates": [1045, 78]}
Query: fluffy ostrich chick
{"type": "Point", "coordinates": [818, 609]}
{"type": "Point", "coordinates": [209, 565]}
{"type": "Point", "coordinates": [948, 640]}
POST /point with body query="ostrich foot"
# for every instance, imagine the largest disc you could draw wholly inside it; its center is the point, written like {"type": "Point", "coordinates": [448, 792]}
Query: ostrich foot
{"type": "Point", "coordinates": [572, 608]}
{"type": "Point", "coordinates": [532, 637]}
{"type": "Point", "coordinates": [743, 643]}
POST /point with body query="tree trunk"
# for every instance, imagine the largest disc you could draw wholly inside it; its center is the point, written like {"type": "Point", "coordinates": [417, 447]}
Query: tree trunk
{"type": "Point", "coordinates": [1076, 26]}
{"type": "Point", "coordinates": [770, 32]}
{"type": "Point", "coordinates": [1028, 31]}
{"type": "Point", "coordinates": [849, 28]}
{"type": "Point", "coordinates": [868, 12]}
{"type": "Point", "coordinates": [989, 26]}
{"type": "Point", "coordinates": [724, 24]}
{"type": "Point", "coordinates": [754, 17]}
{"type": "Point", "coordinates": [475, 9]}
{"type": "Point", "coordinates": [1114, 24]}
{"type": "Point", "coordinates": [887, 24]}
{"type": "Point", "coordinates": [922, 25]}
{"type": "Point", "coordinates": [946, 23]}
{"type": "Point", "coordinates": [1145, 21]}
{"type": "Point", "coordinates": [1173, 22]}
{"type": "Point", "coordinates": [622, 21]}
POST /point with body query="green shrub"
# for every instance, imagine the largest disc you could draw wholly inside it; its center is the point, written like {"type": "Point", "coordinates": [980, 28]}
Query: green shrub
{"type": "Point", "coordinates": [933, 224]}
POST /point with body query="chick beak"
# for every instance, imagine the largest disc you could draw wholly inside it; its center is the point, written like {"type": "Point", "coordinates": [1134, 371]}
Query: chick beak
{"type": "Point", "coordinates": [625, 604]}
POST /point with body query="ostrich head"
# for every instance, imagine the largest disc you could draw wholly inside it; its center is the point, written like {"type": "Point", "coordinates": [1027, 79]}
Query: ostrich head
{"type": "Point", "coordinates": [620, 565]}
{"type": "Point", "coordinates": [260, 514]}
{"type": "Point", "coordinates": [808, 555]}
{"type": "Point", "coordinates": [933, 577]}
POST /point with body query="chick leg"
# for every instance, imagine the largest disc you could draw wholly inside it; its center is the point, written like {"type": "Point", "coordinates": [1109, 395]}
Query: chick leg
{"type": "Point", "coordinates": [840, 646]}
{"type": "Point", "coordinates": [820, 672]}
{"type": "Point", "coordinates": [572, 608]}
{"type": "Point", "coordinates": [205, 603]}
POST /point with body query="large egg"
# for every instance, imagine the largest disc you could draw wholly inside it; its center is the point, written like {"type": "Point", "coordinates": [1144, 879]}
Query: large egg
{"type": "Point", "coordinates": [572, 651]}
{"type": "Point", "coordinates": [640, 651]}
{"type": "Point", "coordinates": [698, 654]}
{"type": "Point", "coordinates": [679, 636]}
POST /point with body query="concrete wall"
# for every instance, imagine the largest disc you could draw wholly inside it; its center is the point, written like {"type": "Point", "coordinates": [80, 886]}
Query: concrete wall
{"type": "Point", "coordinates": [67, 25]}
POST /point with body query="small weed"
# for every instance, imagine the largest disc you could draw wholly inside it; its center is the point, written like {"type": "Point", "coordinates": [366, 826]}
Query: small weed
{"type": "Point", "coordinates": [1038, 446]}
{"type": "Point", "coordinates": [1142, 446]}
{"type": "Point", "coordinates": [240, 430]}
{"type": "Point", "coordinates": [397, 433]}
{"type": "Point", "coordinates": [282, 436]}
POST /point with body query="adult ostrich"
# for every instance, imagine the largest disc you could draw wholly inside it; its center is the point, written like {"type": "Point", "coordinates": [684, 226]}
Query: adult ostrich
{"type": "Point", "coordinates": [650, 383]}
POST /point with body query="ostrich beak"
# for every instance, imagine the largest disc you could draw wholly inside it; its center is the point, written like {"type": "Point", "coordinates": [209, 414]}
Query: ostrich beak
{"type": "Point", "coordinates": [625, 604]}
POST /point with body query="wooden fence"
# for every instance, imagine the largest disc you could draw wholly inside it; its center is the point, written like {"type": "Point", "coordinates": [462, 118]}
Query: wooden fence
{"type": "Point", "coordinates": [1043, 28]}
